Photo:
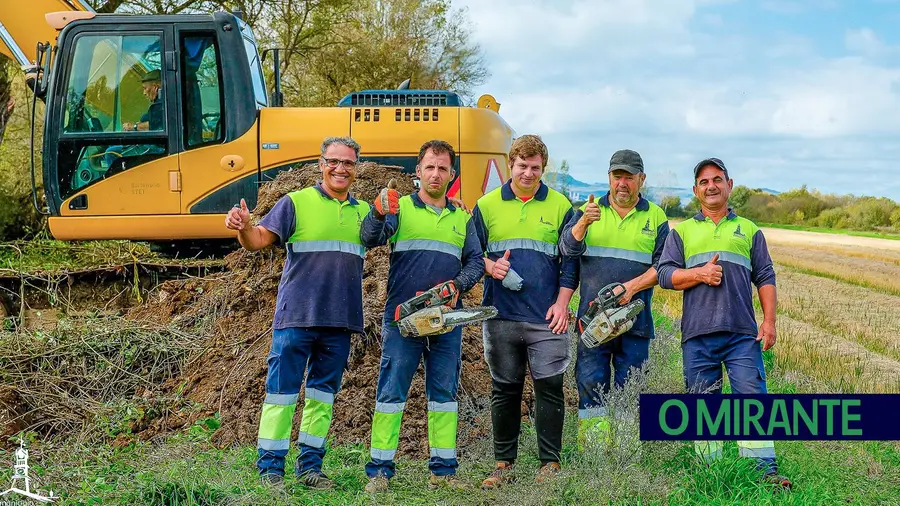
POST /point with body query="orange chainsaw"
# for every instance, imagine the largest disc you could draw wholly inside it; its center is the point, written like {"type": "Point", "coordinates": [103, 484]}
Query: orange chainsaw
{"type": "Point", "coordinates": [432, 312]}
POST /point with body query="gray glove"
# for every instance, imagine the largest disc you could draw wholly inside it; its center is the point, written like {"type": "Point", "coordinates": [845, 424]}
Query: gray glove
{"type": "Point", "coordinates": [513, 281]}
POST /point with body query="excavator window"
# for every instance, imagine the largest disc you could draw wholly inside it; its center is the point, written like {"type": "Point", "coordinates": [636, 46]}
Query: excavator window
{"type": "Point", "coordinates": [114, 91]}
{"type": "Point", "coordinates": [115, 85]}
{"type": "Point", "coordinates": [203, 100]}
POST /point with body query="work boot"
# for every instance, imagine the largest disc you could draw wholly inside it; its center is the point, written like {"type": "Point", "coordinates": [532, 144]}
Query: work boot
{"type": "Point", "coordinates": [379, 483]}
{"type": "Point", "coordinates": [272, 479]}
{"type": "Point", "coordinates": [316, 480]}
{"type": "Point", "coordinates": [548, 471]}
{"type": "Point", "coordinates": [448, 481]}
{"type": "Point", "coordinates": [781, 482]}
{"type": "Point", "coordinates": [499, 476]}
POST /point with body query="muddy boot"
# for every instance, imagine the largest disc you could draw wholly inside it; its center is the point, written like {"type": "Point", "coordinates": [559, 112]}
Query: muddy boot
{"type": "Point", "coordinates": [501, 474]}
{"type": "Point", "coordinates": [316, 480]}
{"type": "Point", "coordinates": [780, 482]}
{"type": "Point", "coordinates": [547, 472]}
{"type": "Point", "coordinates": [446, 481]}
{"type": "Point", "coordinates": [272, 479]}
{"type": "Point", "coordinates": [377, 484]}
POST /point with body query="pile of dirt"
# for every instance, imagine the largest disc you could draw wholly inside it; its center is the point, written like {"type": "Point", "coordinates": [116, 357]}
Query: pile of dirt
{"type": "Point", "coordinates": [234, 311]}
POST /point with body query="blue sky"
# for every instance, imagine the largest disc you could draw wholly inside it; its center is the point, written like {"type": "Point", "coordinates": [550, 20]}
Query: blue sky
{"type": "Point", "coordinates": [785, 92]}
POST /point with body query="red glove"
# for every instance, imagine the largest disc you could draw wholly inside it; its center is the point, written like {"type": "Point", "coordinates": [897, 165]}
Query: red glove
{"type": "Point", "coordinates": [388, 201]}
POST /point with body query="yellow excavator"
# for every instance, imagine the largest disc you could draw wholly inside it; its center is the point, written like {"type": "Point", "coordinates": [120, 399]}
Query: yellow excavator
{"type": "Point", "coordinates": [156, 125]}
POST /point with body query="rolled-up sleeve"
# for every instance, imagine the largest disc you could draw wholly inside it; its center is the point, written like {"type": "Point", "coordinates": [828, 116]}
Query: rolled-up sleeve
{"type": "Point", "coordinates": [762, 271]}
{"type": "Point", "coordinates": [375, 231]}
{"type": "Point", "coordinates": [662, 233]}
{"type": "Point", "coordinates": [568, 245]}
{"type": "Point", "coordinates": [568, 272]}
{"type": "Point", "coordinates": [480, 227]}
{"type": "Point", "coordinates": [473, 260]}
{"type": "Point", "coordinates": [671, 259]}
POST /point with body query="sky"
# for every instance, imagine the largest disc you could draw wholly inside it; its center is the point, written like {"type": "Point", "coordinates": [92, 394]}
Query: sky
{"type": "Point", "coordinates": [786, 93]}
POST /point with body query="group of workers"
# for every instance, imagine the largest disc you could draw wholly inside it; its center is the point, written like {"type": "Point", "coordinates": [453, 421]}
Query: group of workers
{"type": "Point", "coordinates": [533, 250]}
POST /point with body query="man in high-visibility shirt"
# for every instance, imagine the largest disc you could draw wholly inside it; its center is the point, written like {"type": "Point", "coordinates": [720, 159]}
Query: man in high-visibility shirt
{"type": "Point", "coordinates": [619, 240]}
{"type": "Point", "coordinates": [319, 304]}
{"type": "Point", "coordinates": [432, 241]}
{"type": "Point", "coordinates": [714, 257]}
{"type": "Point", "coordinates": [530, 284]}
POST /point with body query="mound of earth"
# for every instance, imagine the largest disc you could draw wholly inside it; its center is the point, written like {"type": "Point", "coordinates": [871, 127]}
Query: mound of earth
{"type": "Point", "coordinates": [234, 311]}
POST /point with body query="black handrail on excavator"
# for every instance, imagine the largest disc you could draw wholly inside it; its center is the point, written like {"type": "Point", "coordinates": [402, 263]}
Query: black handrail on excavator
{"type": "Point", "coordinates": [38, 88]}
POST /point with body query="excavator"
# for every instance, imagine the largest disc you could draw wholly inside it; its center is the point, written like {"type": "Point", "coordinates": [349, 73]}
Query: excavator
{"type": "Point", "coordinates": [156, 125]}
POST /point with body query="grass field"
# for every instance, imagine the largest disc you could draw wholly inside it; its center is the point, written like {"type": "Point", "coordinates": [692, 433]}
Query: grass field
{"type": "Point", "coordinates": [838, 331]}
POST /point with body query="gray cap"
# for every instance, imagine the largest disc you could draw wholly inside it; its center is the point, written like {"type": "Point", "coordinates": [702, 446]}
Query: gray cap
{"type": "Point", "coordinates": [153, 75]}
{"type": "Point", "coordinates": [627, 160]}
{"type": "Point", "coordinates": [710, 161]}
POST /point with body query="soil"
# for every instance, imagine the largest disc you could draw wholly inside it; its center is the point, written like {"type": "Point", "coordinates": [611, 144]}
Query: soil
{"type": "Point", "coordinates": [234, 310]}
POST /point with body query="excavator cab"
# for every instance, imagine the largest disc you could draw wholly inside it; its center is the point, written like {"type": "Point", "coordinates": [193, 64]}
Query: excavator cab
{"type": "Point", "coordinates": [156, 125]}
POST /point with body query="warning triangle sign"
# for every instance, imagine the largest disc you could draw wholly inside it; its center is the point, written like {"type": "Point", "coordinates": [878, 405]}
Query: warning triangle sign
{"type": "Point", "coordinates": [492, 177]}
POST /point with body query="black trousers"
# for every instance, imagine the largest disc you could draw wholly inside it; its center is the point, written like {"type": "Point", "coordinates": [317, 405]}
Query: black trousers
{"type": "Point", "coordinates": [509, 348]}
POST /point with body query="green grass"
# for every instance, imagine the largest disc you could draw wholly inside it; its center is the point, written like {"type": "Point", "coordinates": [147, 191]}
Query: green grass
{"type": "Point", "coordinates": [188, 469]}
{"type": "Point", "coordinates": [858, 233]}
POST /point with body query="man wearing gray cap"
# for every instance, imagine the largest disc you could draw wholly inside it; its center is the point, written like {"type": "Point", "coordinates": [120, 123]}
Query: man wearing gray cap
{"type": "Point", "coordinates": [619, 240]}
{"type": "Point", "coordinates": [716, 258]}
{"type": "Point", "coordinates": [154, 118]}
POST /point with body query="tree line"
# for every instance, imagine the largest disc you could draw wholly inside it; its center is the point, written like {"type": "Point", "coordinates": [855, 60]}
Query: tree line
{"type": "Point", "coordinates": [803, 208]}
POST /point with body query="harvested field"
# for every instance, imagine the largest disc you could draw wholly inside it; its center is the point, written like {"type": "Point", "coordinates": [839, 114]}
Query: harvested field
{"type": "Point", "coordinates": [876, 274]}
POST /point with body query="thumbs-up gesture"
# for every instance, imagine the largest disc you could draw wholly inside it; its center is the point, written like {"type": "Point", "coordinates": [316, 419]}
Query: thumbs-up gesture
{"type": "Point", "coordinates": [501, 267]}
{"type": "Point", "coordinates": [238, 218]}
{"type": "Point", "coordinates": [711, 272]}
{"type": "Point", "coordinates": [591, 211]}
{"type": "Point", "coordinates": [388, 201]}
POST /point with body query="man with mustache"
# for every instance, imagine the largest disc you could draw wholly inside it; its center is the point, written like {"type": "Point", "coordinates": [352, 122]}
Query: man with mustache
{"type": "Point", "coordinates": [530, 284]}
{"type": "Point", "coordinates": [432, 241]}
{"type": "Point", "coordinates": [319, 304]}
{"type": "Point", "coordinates": [714, 257]}
{"type": "Point", "coordinates": [619, 240]}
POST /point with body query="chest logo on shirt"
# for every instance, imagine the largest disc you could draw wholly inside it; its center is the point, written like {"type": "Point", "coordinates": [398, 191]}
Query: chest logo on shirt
{"type": "Point", "coordinates": [647, 230]}
{"type": "Point", "coordinates": [738, 233]}
{"type": "Point", "coordinates": [545, 222]}
{"type": "Point", "coordinates": [457, 232]}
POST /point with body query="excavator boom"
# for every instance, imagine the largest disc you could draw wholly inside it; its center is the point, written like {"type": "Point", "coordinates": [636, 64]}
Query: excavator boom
{"type": "Point", "coordinates": [22, 27]}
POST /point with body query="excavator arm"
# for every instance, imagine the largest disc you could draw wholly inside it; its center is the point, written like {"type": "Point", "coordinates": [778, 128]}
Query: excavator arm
{"type": "Point", "coordinates": [27, 24]}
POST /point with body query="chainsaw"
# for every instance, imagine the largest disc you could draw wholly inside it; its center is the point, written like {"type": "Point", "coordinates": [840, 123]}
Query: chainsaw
{"type": "Point", "coordinates": [432, 312]}
{"type": "Point", "coordinates": [605, 319]}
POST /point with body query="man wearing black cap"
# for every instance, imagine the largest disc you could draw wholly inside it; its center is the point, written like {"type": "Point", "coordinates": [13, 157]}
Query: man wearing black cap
{"type": "Point", "coordinates": [715, 257]}
{"type": "Point", "coordinates": [153, 118]}
{"type": "Point", "coordinates": [619, 240]}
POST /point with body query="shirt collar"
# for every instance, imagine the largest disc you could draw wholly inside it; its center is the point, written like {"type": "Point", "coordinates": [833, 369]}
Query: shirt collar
{"type": "Point", "coordinates": [418, 202]}
{"type": "Point", "coordinates": [730, 216]}
{"type": "Point", "coordinates": [642, 203]}
{"type": "Point", "coordinates": [507, 193]}
{"type": "Point", "coordinates": [325, 194]}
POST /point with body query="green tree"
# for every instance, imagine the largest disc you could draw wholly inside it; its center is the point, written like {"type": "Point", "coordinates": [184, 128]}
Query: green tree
{"type": "Point", "coordinates": [739, 197]}
{"type": "Point", "coordinates": [671, 204]}
{"type": "Point", "coordinates": [693, 207]}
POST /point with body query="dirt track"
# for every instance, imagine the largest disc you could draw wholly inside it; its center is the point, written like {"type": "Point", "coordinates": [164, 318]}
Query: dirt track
{"type": "Point", "coordinates": [783, 236]}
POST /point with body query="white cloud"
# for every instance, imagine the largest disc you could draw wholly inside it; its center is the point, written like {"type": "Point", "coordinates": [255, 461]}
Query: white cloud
{"type": "Point", "coordinates": [866, 42]}
{"type": "Point", "coordinates": [660, 77]}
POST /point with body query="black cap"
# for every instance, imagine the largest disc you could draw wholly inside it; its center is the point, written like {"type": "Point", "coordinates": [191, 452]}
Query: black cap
{"type": "Point", "coordinates": [627, 160]}
{"type": "Point", "coordinates": [152, 75]}
{"type": "Point", "coordinates": [710, 161]}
